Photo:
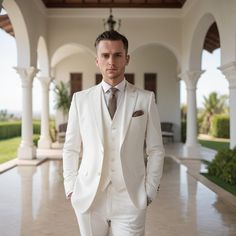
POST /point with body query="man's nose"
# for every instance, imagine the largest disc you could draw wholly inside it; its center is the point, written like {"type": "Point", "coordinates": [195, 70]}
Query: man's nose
{"type": "Point", "coordinates": [111, 60]}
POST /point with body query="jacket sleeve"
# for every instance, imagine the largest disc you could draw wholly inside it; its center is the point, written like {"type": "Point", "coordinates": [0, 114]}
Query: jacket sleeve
{"type": "Point", "coordinates": [154, 150]}
{"type": "Point", "coordinates": [72, 148]}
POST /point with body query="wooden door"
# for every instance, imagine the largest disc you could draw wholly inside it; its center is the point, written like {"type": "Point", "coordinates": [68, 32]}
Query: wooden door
{"type": "Point", "coordinates": [150, 82]}
{"type": "Point", "coordinates": [98, 78]}
{"type": "Point", "coordinates": [75, 83]}
{"type": "Point", "coordinates": [129, 77]}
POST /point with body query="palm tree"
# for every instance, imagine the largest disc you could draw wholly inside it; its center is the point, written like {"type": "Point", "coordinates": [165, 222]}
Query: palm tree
{"type": "Point", "coordinates": [62, 98]}
{"type": "Point", "coordinates": [213, 104]}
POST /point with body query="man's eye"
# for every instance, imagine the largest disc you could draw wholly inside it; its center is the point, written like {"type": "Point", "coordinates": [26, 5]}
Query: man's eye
{"type": "Point", "coordinates": [105, 55]}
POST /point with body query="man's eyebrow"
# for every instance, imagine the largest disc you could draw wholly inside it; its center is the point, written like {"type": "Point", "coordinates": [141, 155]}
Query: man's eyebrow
{"type": "Point", "coordinates": [103, 53]}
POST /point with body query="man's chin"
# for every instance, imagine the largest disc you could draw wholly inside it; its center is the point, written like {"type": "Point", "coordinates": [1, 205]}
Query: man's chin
{"type": "Point", "coordinates": [112, 77]}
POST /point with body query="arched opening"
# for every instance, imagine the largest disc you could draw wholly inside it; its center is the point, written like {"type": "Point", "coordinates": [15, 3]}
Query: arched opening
{"type": "Point", "coordinates": [212, 85]}
{"type": "Point", "coordinates": [161, 64]}
{"type": "Point", "coordinates": [10, 89]}
{"type": "Point", "coordinates": [205, 56]}
{"type": "Point", "coordinates": [74, 65]}
{"type": "Point", "coordinates": [8, 59]}
{"type": "Point", "coordinates": [20, 32]}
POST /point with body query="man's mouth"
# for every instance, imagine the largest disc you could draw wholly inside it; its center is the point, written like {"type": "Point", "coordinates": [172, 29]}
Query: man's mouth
{"type": "Point", "coordinates": [111, 69]}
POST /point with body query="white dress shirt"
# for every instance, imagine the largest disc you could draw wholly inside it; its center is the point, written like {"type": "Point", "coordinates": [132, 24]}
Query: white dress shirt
{"type": "Point", "coordinates": [107, 93]}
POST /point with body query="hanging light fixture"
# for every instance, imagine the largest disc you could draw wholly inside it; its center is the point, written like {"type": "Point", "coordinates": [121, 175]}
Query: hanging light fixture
{"type": "Point", "coordinates": [110, 23]}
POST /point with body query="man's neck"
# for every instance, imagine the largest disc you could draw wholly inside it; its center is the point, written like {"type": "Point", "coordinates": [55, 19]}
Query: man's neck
{"type": "Point", "coordinates": [113, 82]}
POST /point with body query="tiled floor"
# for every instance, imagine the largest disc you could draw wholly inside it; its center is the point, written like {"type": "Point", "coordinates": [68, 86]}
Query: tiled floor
{"type": "Point", "coordinates": [32, 203]}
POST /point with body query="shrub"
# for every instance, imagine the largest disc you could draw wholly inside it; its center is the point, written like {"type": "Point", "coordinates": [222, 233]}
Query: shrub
{"type": "Point", "coordinates": [35, 140]}
{"type": "Point", "coordinates": [36, 127]}
{"type": "Point", "coordinates": [10, 130]}
{"type": "Point", "coordinates": [224, 166]}
{"type": "Point", "coordinates": [13, 129]}
{"type": "Point", "coordinates": [220, 126]}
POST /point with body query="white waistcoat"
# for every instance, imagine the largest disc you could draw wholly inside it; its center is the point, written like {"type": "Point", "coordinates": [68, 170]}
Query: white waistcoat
{"type": "Point", "coordinates": [112, 170]}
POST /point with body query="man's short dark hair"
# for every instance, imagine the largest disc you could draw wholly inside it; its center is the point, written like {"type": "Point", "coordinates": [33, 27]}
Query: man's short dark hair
{"type": "Point", "coordinates": [113, 36]}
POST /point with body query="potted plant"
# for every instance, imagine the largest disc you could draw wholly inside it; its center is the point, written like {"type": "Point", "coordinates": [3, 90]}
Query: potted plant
{"type": "Point", "coordinates": [62, 98]}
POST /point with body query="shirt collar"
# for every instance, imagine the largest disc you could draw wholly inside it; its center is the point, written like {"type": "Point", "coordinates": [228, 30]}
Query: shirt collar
{"type": "Point", "coordinates": [120, 86]}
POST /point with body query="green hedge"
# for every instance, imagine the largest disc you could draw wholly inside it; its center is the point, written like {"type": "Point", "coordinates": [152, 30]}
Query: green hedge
{"type": "Point", "coordinates": [224, 166]}
{"type": "Point", "coordinates": [13, 129]}
{"type": "Point", "coordinates": [220, 126]}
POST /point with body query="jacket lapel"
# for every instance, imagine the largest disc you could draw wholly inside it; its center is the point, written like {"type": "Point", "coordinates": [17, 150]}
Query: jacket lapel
{"type": "Point", "coordinates": [96, 110]}
{"type": "Point", "coordinates": [128, 109]}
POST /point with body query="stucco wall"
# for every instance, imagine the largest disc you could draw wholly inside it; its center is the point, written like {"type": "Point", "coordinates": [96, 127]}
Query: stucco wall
{"type": "Point", "coordinates": [158, 59]}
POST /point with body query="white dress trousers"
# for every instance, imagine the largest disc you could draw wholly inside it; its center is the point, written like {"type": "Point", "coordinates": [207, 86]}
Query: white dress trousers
{"type": "Point", "coordinates": [112, 213]}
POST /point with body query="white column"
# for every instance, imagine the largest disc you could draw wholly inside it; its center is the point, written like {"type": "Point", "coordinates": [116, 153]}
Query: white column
{"type": "Point", "coordinates": [229, 70]}
{"type": "Point", "coordinates": [45, 139]}
{"type": "Point", "coordinates": [26, 149]}
{"type": "Point", "coordinates": [191, 146]}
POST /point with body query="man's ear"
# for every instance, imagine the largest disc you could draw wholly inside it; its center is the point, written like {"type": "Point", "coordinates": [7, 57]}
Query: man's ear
{"type": "Point", "coordinates": [96, 61]}
{"type": "Point", "coordinates": [127, 59]}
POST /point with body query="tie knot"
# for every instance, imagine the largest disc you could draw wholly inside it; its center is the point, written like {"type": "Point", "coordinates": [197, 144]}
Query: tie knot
{"type": "Point", "coordinates": [113, 90]}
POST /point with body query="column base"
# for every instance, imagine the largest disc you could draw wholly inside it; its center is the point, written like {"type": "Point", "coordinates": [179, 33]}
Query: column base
{"type": "Point", "coordinates": [26, 153]}
{"type": "Point", "coordinates": [44, 143]}
{"type": "Point", "coordinates": [192, 151]}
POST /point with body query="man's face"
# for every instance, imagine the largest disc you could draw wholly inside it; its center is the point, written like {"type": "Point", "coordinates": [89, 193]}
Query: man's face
{"type": "Point", "coordinates": [111, 60]}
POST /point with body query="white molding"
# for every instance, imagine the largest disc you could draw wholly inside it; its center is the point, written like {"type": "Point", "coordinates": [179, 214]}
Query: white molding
{"type": "Point", "coordinates": [117, 13]}
{"type": "Point", "coordinates": [187, 6]}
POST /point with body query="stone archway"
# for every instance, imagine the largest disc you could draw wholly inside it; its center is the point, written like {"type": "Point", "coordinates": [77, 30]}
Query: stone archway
{"type": "Point", "coordinates": [27, 73]}
{"type": "Point", "coordinates": [191, 77]}
{"type": "Point", "coordinates": [161, 61]}
{"type": "Point", "coordinates": [21, 33]}
{"type": "Point", "coordinates": [197, 41]}
{"type": "Point", "coordinates": [68, 59]}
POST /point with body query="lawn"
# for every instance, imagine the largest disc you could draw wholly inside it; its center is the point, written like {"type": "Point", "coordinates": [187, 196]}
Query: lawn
{"type": "Point", "coordinates": [8, 148]}
{"type": "Point", "coordinates": [212, 144]}
{"type": "Point", "coordinates": [221, 183]}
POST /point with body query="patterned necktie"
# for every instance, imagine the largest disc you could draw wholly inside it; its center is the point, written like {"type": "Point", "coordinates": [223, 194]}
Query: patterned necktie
{"type": "Point", "coordinates": [112, 104]}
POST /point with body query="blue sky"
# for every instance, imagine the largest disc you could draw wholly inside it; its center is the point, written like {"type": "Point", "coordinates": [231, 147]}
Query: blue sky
{"type": "Point", "coordinates": [10, 89]}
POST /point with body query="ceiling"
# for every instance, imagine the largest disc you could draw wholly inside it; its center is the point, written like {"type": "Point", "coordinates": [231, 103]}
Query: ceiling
{"type": "Point", "coordinates": [6, 25]}
{"type": "Point", "coordinates": [114, 3]}
{"type": "Point", "coordinates": [212, 39]}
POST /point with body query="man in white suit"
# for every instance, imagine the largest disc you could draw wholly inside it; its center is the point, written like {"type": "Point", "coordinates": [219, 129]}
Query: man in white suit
{"type": "Point", "coordinates": [105, 172]}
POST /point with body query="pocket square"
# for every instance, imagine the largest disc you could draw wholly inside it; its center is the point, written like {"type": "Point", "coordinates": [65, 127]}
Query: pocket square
{"type": "Point", "coordinates": [138, 113]}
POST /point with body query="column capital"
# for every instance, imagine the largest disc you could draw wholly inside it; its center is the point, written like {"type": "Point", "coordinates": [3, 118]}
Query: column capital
{"type": "Point", "coordinates": [191, 78]}
{"type": "Point", "coordinates": [229, 71]}
{"type": "Point", "coordinates": [27, 75]}
{"type": "Point", "coordinates": [45, 81]}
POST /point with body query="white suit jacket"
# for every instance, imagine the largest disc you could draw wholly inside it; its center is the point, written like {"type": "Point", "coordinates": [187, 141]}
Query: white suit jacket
{"type": "Point", "coordinates": [84, 140]}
